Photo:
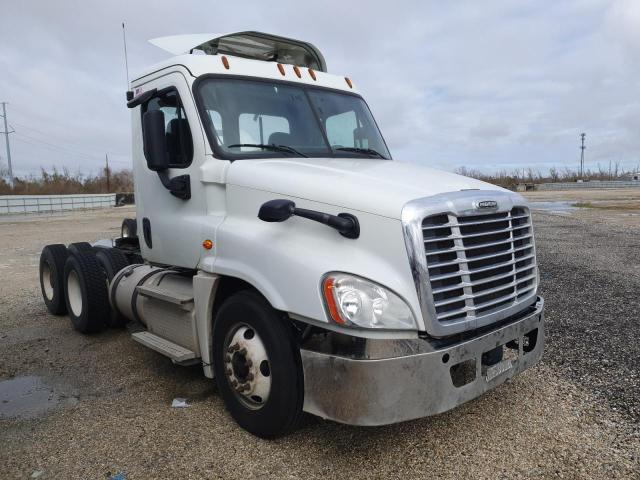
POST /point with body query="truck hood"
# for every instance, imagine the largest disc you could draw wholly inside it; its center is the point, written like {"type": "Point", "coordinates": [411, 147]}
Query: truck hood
{"type": "Point", "coordinates": [379, 187]}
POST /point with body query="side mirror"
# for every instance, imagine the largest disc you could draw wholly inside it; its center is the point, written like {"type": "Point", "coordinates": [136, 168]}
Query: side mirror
{"type": "Point", "coordinates": [276, 210]}
{"type": "Point", "coordinates": [155, 140]}
{"type": "Point", "coordinates": [280, 210]}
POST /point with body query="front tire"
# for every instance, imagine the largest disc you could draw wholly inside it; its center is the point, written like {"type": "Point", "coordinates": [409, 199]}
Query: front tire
{"type": "Point", "coordinates": [257, 365]}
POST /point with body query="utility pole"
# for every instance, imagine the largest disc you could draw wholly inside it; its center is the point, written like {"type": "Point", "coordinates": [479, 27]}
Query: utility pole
{"type": "Point", "coordinates": [582, 147]}
{"type": "Point", "coordinates": [6, 139]}
{"type": "Point", "coordinates": [107, 172]}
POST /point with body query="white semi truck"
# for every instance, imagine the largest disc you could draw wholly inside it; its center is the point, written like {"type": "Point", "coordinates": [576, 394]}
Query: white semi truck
{"type": "Point", "coordinates": [278, 245]}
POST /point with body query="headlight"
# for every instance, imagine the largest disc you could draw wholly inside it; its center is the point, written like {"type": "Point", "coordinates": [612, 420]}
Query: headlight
{"type": "Point", "coordinates": [354, 301]}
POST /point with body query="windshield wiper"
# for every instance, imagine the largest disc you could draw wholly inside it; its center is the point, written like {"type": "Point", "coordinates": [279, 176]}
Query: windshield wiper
{"type": "Point", "coordinates": [367, 151]}
{"type": "Point", "coordinates": [275, 148]}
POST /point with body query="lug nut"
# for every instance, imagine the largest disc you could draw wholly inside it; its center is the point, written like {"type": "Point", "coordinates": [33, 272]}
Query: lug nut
{"type": "Point", "coordinates": [249, 363]}
{"type": "Point", "coordinates": [234, 383]}
{"type": "Point", "coordinates": [250, 377]}
{"type": "Point", "coordinates": [227, 358]}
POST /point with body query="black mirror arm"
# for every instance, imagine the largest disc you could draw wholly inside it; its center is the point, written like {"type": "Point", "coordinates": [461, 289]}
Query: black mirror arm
{"type": "Point", "coordinates": [179, 186]}
{"type": "Point", "coordinates": [280, 210]}
{"type": "Point", "coordinates": [140, 99]}
{"type": "Point", "coordinates": [345, 223]}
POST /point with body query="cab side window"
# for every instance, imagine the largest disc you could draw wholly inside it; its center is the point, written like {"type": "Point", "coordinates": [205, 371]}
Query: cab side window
{"type": "Point", "coordinates": [179, 143]}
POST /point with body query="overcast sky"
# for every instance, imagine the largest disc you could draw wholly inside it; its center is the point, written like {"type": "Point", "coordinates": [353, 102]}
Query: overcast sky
{"type": "Point", "coordinates": [483, 84]}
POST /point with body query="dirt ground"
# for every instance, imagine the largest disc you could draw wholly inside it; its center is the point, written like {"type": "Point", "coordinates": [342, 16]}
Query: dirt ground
{"type": "Point", "coordinates": [98, 406]}
{"type": "Point", "coordinates": [620, 206]}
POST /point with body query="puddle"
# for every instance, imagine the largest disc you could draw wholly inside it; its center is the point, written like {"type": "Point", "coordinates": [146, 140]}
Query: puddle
{"type": "Point", "coordinates": [29, 397]}
{"type": "Point", "coordinates": [554, 207]}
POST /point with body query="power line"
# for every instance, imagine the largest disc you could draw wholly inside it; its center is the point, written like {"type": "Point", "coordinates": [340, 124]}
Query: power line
{"type": "Point", "coordinates": [58, 150]}
{"type": "Point", "coordinates": [30, 128]}
{"type": "Point", "coordinates": [78, 148]}
{"type": "Point", "coordinates": [52, 148]}
{"type": "Point", "coordinates": [61, 147]}
{"type": "Point", "coordinates": [47, 134]}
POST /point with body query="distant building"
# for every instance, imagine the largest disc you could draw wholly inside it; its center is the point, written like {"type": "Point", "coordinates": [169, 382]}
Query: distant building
{"type": "Point", "coordinates": [634, 176]}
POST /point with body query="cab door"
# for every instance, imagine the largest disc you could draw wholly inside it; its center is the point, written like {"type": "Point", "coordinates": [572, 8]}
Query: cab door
{"type": "Point", "coordinates": [170, 220]}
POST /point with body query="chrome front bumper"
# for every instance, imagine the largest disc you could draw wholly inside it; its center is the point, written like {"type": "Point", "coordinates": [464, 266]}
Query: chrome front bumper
{"type": "Point", "coordinates": [389, 390]}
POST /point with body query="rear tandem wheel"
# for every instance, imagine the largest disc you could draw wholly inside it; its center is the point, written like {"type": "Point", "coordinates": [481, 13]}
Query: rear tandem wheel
{"type": "Point", "coordinates": [86, 292]}
{"type": "Point", "coordinates": [52, 260]}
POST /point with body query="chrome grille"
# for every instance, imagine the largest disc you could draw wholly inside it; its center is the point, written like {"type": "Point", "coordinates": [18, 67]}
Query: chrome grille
{"type": "Point", "coordinates": [479, 264]}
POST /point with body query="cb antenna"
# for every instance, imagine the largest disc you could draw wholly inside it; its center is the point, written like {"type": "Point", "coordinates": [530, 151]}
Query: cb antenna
{"type": "Point", "coordinates": [126, 61]}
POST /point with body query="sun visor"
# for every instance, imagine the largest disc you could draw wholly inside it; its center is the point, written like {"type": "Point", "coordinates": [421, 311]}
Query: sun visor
{"type": "Point", "coordinates": [254, 45]}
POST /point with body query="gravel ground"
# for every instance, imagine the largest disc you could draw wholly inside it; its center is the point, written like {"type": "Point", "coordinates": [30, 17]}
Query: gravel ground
{"type": "Point", "coordinates": [573, 416]}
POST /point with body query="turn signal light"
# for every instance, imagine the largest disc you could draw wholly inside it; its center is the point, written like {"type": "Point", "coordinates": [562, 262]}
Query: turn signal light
{"type": "Point", "coordinates": [281, 68]}
{"type": "Point", "coordinates": [207, 244]}
{"type": "Point", "coordinates": [225, 62]}
{"type": "Point", "coordinates": [297, 70]}
{"type": "Point", "coordinates": [312, 73]}
{"type": "Point", "coordinates": [348, 80]}
{"type": "Point", "coordinates": [327, 289]}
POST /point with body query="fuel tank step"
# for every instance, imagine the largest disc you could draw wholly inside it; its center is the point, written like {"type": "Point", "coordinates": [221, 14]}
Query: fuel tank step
{"type": "Point", "coordinates": [151, 291]}
{"type": "Point", "coordinates": [172, 350]}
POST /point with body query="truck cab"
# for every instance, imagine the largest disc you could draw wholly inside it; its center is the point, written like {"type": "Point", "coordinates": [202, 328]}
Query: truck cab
{"type": "Point", "coordinates": [284, 249]}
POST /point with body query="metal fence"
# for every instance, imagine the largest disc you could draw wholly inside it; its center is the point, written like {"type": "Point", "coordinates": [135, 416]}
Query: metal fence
{"type": "Point", "coordinates": [21, 204]}
{"type": "Point", "coordinates": [590, 184]}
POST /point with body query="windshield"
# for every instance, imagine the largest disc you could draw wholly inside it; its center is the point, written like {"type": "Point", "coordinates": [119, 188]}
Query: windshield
{"type": "Point", "coordinates": [258, 119]}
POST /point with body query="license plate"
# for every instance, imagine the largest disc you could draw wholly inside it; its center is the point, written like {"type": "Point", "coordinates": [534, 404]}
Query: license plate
{"type": "Point", "coordinates": [499, 368]}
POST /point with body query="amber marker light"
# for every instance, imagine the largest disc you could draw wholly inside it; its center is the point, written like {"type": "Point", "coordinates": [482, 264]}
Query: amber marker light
{"type": "Point", "coordinates": [281, 68]}
{"type": "Point", "coordinates": [348, 80]}
{"type": "Point", "coordinates": [207, 244]}
{"type": "Point", "coordinates": [312, 73]}
{"type": "Point", "coordinates": [327, 289]}
{"type": "Point", "coordinates": [225, 62]}
{"type": "Point", "coordinates": [297, 71]}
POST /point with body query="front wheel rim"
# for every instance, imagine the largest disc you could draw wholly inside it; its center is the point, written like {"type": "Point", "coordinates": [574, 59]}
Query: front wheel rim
{"type": "Point", "coordinates": [247, 366]}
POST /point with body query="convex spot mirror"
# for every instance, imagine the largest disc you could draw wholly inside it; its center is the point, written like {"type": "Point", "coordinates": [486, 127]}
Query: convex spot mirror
{"type": "Point", "coordinates": [155, 140]}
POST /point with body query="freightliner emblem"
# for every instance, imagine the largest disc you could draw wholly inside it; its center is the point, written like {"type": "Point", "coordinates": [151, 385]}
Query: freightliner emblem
{"type": "Point", "coordinates": [486, 204]}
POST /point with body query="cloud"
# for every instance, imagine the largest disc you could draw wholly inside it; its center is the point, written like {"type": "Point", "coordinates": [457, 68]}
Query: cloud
{"type": "Point", "coordinates": [488, 85]}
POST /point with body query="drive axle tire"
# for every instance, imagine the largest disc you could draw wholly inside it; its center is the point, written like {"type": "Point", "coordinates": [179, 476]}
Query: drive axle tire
{"type": "Point", "coordinates": [257, 365]}
{"type": "Point", "coordinates": [80, 247]}
{"type": "Point", "coordinates": [86, 293]}
{"type": "Point", "coordinates": [129, 228]}
{"type": "Point", "coordinates": [52, 261]}
{"type": "Point", "coordinates": [112, 261]}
